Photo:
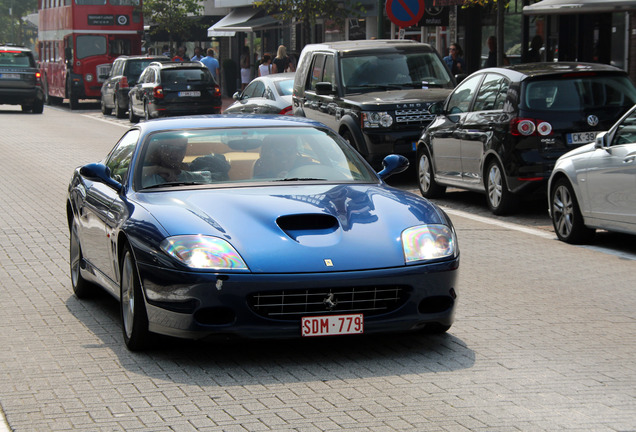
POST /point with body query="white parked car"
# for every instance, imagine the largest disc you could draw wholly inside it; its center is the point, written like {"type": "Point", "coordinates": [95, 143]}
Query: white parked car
{"type": "Point", "coordinates": [594, 186]}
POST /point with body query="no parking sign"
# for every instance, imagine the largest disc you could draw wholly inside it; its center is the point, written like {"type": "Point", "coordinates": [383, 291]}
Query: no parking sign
{"type": "Point", "coordinates": [405, 13]}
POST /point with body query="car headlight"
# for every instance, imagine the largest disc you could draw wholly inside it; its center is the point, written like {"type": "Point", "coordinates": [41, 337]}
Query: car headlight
{"type": "Point", "coordinates": [203, 252]}
{"type": "Point", "coordinates": [428, 242]}
{"type": "Point", "coordinates": [88, 77]}
{"type": "Point", "coordinates": [376, 119]}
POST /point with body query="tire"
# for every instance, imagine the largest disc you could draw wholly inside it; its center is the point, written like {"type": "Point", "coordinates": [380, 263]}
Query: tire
{"type": "Point", "coordinates": [567, 219]}
{"type": "Point", "coordinates": [105, 109]}
{"type": "Point", "coordinates": [81, 287]}
{"type": "Point", "coordinates": [38, 107]}
{"type": "Point", "coordinates": [131, 115]}
{"type": "Point", "coordinates": [348, 137]}
{"type": "Point", "coordinates": [500, 200]}
{"type": "Point", "coordinates": [26, 108]}
{"type": "Point", "coordinates": [133, 309]}
{"type": "Point", "coordinates": [45, 89]}
{"type": "Point", "coordinates": [73, 99]}
{"type": "Point", "coordinates": [120, 112]}
{"type": "Point", "coordinates": [426, 178]}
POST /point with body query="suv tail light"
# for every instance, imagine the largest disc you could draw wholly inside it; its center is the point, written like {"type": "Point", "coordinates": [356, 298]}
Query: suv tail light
{"type": "Point", "coordinates": [527, 127]}
{"type": "Point", "coordinates": [123, 83]}
{"type": "Point", "coordinates": [157, 92]}
{"type": "Point", "coordinates": [216, 92]}
{"type": "Point", "coordinates": [286, 111]}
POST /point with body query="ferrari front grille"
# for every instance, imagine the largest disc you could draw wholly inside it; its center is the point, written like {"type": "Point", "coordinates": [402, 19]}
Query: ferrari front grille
{"type": "Point", "coordinates": [294, 304]}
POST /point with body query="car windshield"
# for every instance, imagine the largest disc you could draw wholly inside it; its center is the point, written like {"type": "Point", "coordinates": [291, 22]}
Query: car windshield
{"type": "Point", "coordinates": [579, 93]}
{"type": "Point", "coordinates": [16, 58]}
{"type": "Point", "coordinates": [252, 155]}
{"type": "Point", "coordinates": [383, 71]}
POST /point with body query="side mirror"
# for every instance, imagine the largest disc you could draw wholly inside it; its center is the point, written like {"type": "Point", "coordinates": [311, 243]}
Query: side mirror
{"type": "Point", "coordinates": [436, 108]}
{"type": "Point", "coordinates": [393, 164]}
{"type": "Point", "coordinates": [236, 95]}
{"type": "Point", "coordinates": [99, 172]}
{"type": "Point", "coordinates": [324, 88]}
{"type": "Point", "coordinates": [601, 140]}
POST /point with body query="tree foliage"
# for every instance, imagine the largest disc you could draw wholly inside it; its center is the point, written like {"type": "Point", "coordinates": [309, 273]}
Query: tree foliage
{"type": "Point", "coordinates": [171, 16]}
{"type": "Point", "coordinates": [12, 24]}
{"type": "Point", "coordinates": [309, 11]}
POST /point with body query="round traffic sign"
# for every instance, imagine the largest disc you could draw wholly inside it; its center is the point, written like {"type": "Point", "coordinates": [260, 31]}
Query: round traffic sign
{"type": "Point", "coordinates": [405, 13]}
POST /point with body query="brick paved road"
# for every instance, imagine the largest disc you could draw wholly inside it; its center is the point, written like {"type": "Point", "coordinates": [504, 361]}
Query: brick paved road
{"type": "Point", "coordinates": [545, 338]}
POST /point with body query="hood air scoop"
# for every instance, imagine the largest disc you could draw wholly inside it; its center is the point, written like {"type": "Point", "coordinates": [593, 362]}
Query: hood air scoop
{"type": "Point", "coordinates": [301, 227]}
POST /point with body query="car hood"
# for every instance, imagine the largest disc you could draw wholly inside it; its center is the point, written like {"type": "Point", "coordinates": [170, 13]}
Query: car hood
{"type": "Point", "coordinates": [394, 99]}
{"type": "Point", "coordinates": [289, 229]}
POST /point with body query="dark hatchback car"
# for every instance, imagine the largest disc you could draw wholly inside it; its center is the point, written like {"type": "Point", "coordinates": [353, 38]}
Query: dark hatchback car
{"type": "Point", "coordinates": [20, 79]}
{"type": "Point", "coordinates": [172, 89]}
{"type": "Point", "coordinates": [124, 74]}
{"type": "Point", "coordinates": [502, 129]}
{"type": "Point", "coordinates": [375, 93]}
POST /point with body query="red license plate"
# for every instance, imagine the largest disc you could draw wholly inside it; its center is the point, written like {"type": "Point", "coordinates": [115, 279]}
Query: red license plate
{"type": "Point", "coordinates": [329, 325]}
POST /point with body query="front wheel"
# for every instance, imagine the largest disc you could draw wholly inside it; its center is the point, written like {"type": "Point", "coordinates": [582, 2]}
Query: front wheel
{"type": "Point", "coordinates": [500, 200]}
{"type": "Point", "coordinates": [131, 115]}
{"type": "Point", "coordinates": [73, 98]}
{"type": "Point", "coordinates": [428, 186]}
{"type": "Point", "coordinates": [133, 308]}
{"type": "Point", "coordinates": [81, 287]}
{"type": "Point", "coordinates": [566, 215]}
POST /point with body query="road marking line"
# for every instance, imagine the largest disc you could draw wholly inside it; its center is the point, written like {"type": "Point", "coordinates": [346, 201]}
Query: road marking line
{"type": "Point", "coordinates": [106, 121]}
{"type": "Point", "coordinates": [536, 232]}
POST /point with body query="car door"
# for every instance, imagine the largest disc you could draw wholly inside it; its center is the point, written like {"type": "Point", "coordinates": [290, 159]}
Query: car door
{"type": "Point", "coordinates": [100, 210]}
{"type": "Point", "coordinates": [611, 177]}
{"type": "Point", "coordinates": [481, 125]}
{"type": "Point", "coordinates": [321, 107]}
{"type": "Point", "coordinates": [446, 133]}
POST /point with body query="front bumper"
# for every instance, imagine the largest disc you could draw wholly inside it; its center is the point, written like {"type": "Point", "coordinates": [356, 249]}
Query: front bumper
{"type": "Point", "coordinates": [196, 305]}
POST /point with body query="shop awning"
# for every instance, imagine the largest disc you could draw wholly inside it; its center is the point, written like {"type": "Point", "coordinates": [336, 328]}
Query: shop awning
{"type": "Point", "coordinates": [236, 16]}
{"type": "Point", "coordinates": [242, 20]}
{"type": "Point", "coordinates": [552, 7]}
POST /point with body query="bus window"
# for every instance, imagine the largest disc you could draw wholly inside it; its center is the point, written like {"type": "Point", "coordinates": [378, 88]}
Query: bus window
{"type": "Point", "coordinates": [90, 2]}
{"type": "Point", "coordinates": [124, 2]}
{"type": "Point", "coordinates": [90, 46]}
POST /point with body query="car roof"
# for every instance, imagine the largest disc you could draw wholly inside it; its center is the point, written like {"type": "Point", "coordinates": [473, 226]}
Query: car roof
{"type": "Point", "coordinates": [367, 44]}
{"type": "Point", "coordinates": [524, 71]}
{"type": "Point", "coordinates": [222, 121]}
{"type": "Point", "coordinates": [278, 76]}
{"type": "Point", "coordinates": [169, 64]}
{"type": "Point", "coordinates": [144, 57]}
{"type": "Point", "coordinates": [9, 47]}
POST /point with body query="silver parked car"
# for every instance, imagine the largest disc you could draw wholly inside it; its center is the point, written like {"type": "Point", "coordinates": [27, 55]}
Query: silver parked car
{"type": "Point", "coordinates": [594, 186]}
{"type": "Point", "coordinates": [269, 94]}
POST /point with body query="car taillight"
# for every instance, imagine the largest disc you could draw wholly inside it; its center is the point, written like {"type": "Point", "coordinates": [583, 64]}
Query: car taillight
{"type": "Point", "coordinates": [216, 92]}
{"type": "Point", "coordinates": [123, 83]}
{"type": "Point", "coordinates": [287, 111]}
{"type": "Point", "coordinates": [38, 76]}
{"type": "Point", "coordinates": [526, 127]}
{"type": "Point", "coordinates": [157, 92]}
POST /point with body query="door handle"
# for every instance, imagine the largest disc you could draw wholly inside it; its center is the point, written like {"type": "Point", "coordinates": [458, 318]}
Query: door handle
{"type": "Point", "coordinates": [629, 159]}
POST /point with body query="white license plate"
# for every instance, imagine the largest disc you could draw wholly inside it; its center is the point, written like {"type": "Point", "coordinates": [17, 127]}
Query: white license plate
{"type": "Point", "coordinates": [581, 137]}
{"type": "Point", "coordinates": [190, 93]}
{"type": "Point", "coordinates": [329, 325]}
{"type": "Point", "coordinates": [9, 76]}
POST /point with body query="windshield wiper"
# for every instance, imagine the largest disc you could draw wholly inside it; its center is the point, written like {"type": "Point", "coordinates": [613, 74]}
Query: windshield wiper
{"type": "Point", "coordinates": [291, 179]}
{"type": "Point", "coordinates": [177, 183]}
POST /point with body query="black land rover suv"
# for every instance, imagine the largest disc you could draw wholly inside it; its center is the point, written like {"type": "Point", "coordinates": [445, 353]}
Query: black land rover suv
{"type": "Point", "coordinates": [20, 79]}
{"type": "Point", "coordinates": [375, 93]}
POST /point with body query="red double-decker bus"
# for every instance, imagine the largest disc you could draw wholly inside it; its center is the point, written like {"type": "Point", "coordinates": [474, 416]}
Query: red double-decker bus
{"type": "Point", "coordinates": [78, 42]}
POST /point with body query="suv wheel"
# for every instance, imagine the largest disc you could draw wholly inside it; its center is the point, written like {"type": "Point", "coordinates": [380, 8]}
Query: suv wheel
{"type": "Point", "coordinates": [38, 106]}
{"type": "Point", "coordinates": [500, 200]}
{"type": "Point", "coordinates": [566, 215]}
{"type": "Point", "coordinates": [428, 186]}
{"type": "Point", "coordinates": [73, 99]}
{"type": "Point", "coordinates": [146, 112]}
{"type": "Point", "coordinates": [105, 109]}
{"type": "Point", "coordinates": [119, 111]}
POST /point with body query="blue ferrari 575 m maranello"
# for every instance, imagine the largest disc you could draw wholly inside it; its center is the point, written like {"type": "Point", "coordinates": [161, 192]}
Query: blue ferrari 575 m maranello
{"type": "Point", "coordinates": [257, 227]}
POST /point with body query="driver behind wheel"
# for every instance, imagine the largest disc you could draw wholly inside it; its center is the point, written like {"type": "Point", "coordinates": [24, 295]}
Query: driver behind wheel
{"type": "Point", "coordinates": [279, 155]}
